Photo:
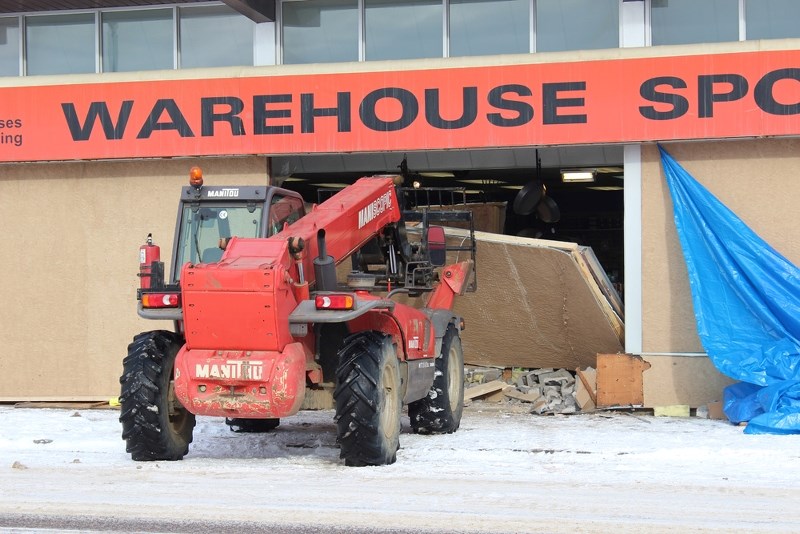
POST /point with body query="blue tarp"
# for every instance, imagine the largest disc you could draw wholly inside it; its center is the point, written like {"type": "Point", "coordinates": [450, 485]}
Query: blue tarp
{"type": "Point", "coordinates": [747, 304]}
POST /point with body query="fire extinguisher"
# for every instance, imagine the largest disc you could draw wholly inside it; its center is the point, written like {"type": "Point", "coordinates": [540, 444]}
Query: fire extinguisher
{"type": "Point", "coordinates": [148, 253]}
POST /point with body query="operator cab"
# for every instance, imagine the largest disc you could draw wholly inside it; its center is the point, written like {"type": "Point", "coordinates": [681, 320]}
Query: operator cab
{"type": "Point", "coordinates": [209, 216]}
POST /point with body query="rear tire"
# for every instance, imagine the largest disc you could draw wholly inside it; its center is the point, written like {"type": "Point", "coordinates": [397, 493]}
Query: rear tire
{"type": "Point", "coordinates": [440, 411]}
{"type": "Point", "coordinates": [252, 425]}
{"type": "Point", "coordinates": [368, 400]}
{"type": "Point", "coordinates": [155, 424]}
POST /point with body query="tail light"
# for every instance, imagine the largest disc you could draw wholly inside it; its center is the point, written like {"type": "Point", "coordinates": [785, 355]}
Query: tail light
{"type": "Point", "coordinates": [161, 300]}
{"type": "Point", "coordinates": [334, 302]}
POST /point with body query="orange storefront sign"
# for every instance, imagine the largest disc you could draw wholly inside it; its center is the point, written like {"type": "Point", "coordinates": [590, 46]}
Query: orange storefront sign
{"type": "Point", "coordinates": [751, 94]}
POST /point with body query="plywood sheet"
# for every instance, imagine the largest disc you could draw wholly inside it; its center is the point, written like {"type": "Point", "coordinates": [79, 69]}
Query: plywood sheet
{"type": "Point", "coordinates": [535, 307]}
{"type": "Point", "coordinates": [72, 233]}
{"type": "Point", "coordinates": [757, 179]}
{"type": "Point", "coordinates": [691, 380]}
{"type": "Point", "coordinates": [619, 380]}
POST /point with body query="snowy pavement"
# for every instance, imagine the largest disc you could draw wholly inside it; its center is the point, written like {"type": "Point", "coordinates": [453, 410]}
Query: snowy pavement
{"type": "Point", "coordinates": [505, 470]}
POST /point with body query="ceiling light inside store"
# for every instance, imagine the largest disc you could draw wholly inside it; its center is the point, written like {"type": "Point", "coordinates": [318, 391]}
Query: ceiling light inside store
{"type": "Point", "coordinates": [577, 175]}
{"type": "Point", "coordinates": [605, 188]}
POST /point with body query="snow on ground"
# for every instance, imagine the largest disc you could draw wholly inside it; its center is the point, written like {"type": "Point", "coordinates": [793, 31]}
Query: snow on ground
{"type": "Point", "coordinates": [505, 470]}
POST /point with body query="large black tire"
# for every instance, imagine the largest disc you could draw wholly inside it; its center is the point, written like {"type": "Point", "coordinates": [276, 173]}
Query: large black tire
{"type": "Point", "coordinates": [368, 400]}
{"type": "Point", "coordinates": [237, 424]}
{"type": "Point", "coordinates": [154, 424]}
{"type": "Point", "coordinates": [440, 411]}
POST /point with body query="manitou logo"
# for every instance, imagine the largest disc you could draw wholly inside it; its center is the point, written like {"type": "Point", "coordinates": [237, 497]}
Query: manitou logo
{"type": "Point", "coordinates": [223, 193]}
{"type": "Point", "coordinates": [234, 369]}
{"type": "Point", "coordinates": [374, 208]}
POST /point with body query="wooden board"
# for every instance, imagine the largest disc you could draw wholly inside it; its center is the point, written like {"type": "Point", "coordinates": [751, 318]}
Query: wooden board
{"type": "Point", "coordinates": [481, 390]}
{"type": "Point", "coordinates": [619, 380]}
{"type": "Point", "coordinates": [587, 378]}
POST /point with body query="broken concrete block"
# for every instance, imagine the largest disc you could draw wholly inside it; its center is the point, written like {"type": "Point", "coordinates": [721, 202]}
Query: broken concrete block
{"type": "Point", "coordinates": [539, 406]}
{"type": "Point", "coordinates": [533, 390]}
{"type": "Point", "coordinates": [538, 372]}
{"type": "Point", "coordinates": [532, 396]}
{"type": "Point", "coordinates": [481, 375]}
{"type": "Point", "coordinates": [551, 392]}
{"type": "Point", "coordinates": [561, 377]}
{"type": "Point", "coordinates": [568, 409]}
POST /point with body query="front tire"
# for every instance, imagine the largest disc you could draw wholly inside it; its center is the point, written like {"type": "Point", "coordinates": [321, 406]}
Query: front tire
{"type": "Point", "coordinates": [440, 411]}
{"type": "Point", "coordinates": [368, 400]}
{"type": "Point", "coordinates": [155, 424]}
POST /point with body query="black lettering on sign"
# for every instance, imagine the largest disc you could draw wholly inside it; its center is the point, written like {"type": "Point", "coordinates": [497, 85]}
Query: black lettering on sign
{"type": "Point", "coordinates": [97, 110]}
{"type": "Point", "coordinates": [765, 99]}
{"type": "Point", "coordinates": [648, 91]}
{"type": "Point", "coordinates": [469, 109]}
{"type": "Point", "coordinates": [706, 95]}
{"type": "Point", "coordinates": [308, 112]}
{"type": "Point", "coordinates": [523, 109]}
{"type": "Point", "coordinates": [177, 121]}
{"type": "Point", "coordinates": [408, 102]}
{"type": "Point", "coordinates": [551, 103]}
{"type": "Point", "coordinates": [261, 114]}
{"type": "Point", "coordinates": [209, 115]}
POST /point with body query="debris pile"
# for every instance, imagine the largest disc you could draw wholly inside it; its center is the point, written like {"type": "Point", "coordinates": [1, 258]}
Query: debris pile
{"type": "Point", "coordinates": [549, 391]}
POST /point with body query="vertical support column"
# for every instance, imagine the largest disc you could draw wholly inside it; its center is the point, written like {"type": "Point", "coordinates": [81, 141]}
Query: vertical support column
{"type": "Point", "coordinates": [264, 44]}
{"type": "Point", "coordinates": [633, 248]}
{"type": "Point", "coordinates": [632, 28]}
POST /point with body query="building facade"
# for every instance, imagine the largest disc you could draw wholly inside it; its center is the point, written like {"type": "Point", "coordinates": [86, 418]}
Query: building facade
{"type": "Point", "coordinates": [105, 106]}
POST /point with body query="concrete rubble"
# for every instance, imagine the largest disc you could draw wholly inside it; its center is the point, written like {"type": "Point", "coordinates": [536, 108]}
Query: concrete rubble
{"type": "Point", "coordinates": [548, 391]}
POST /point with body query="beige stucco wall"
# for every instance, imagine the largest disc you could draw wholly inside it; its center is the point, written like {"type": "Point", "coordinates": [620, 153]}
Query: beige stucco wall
{"type": "Point", "coordinates": [71, 234]}
{"type": "Point", "coordinates": [758, 179]}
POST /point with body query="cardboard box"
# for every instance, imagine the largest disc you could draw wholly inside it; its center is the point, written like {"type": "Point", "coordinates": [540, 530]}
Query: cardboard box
{"type": "Point", "coordinates": [715, 411]}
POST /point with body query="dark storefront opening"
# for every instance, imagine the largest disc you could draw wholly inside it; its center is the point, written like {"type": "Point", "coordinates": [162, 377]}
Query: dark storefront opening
{"type": "Point", "coordinates": [588, 212]}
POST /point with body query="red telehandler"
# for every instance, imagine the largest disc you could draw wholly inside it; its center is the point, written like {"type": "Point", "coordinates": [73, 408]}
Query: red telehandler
{"type": "Point", "coordinates": [260, 318]}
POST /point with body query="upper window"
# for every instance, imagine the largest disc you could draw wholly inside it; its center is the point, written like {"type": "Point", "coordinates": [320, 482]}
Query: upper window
{"type": "Point", "coordinates": [690, 21]}
{"type": "Point", "coordinates": [320, 31]}
{"type": "Point", "coordinates": [282, 211]}
{"type": "Point", "coordinates": [403, 29]}
{"type": "Point", "coordinates": [772, 19]}
{"type": "Point", "coordinates": [576, 25]}
{"type": "Point", "coordinates": [60, 44]}
{"type": "Point", "coordinates": [9, 46]}
{"type": "Point", "coordinates": [198, 50]}
{"type": "Point", "coordinates": [137, 40]}
{"type": "Point", "coordinates": [487, 27]}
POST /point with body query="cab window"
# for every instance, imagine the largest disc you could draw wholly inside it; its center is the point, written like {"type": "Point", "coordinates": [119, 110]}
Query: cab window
{"type": "Point", "coordinates": [284, 211]}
